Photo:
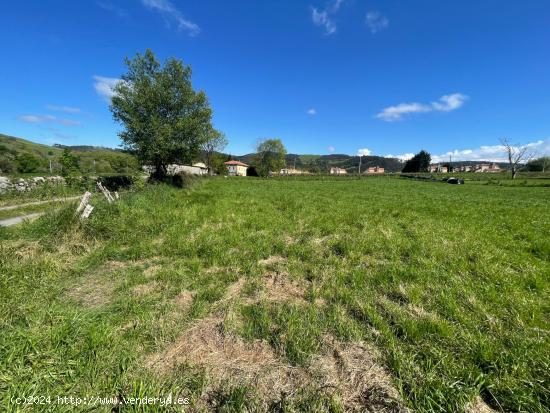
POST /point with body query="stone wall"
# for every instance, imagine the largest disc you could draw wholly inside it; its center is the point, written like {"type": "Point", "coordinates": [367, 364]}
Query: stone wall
{"type": "Point", "coordinates": [21, 184]}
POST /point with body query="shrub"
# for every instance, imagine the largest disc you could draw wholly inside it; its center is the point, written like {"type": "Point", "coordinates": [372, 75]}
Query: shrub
{"type": "Point", "coordinates": [27, 163]}
{"type": "Point", "coordinates": [182, 180]}
{"type": "Point", "coordinates": [115, 182]}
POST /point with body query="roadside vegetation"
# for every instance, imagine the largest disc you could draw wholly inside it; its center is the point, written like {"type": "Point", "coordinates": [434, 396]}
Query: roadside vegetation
{"type": "Point", "coordinates": [301, 294]}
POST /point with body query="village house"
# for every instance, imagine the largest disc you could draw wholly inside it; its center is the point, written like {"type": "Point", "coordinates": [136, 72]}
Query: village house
{"type": "Point", "coordinates": [486, 167]}
{"type": "Point", "coordinates": [375, 170]}
{"type": "Point", "coordinates": [337, 171]}
{"type": "Point", "coordinates": [437, 168]}
{"type": "Point", "coordinates": [236, 168]}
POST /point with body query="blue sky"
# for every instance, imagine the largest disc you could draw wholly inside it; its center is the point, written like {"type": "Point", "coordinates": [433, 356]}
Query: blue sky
{"type": "Point", "coordinates": [337, 76]}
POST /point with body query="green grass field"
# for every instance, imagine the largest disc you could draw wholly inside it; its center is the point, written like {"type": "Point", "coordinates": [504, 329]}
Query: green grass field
{"type": "Point", "coordinates": [284, 295]}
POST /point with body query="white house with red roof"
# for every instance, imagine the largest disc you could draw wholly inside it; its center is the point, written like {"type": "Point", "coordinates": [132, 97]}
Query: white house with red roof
{"type": "Point", "coordinates": [236, 168]}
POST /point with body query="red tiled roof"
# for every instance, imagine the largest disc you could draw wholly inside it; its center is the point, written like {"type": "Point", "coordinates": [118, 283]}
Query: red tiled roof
{"type": "Point", "coordinates": [235, 163]}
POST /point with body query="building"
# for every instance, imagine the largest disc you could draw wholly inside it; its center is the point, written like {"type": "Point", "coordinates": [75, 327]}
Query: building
{"type": "Point", "coordinates": [487, 167]}
{"type": "Point", "coordinates": [236, 168]}
{"type": "Point", "coordinates": [337, 171]}
{"type": "Point", "coordinates": [173, 169]}
{"type": "Point", "coordinates": [290, 171]}
{"type": "Point", "coordinates": [438, 169]}
{"type": "Point", "coordinates": [375, 170]}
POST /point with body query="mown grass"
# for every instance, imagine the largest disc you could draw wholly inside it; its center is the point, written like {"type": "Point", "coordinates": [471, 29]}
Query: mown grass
{"type": "Point", "coordinates": [449, 282]}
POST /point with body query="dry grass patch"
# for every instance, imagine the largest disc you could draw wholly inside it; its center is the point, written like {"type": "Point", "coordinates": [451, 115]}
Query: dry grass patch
{"type": "Point", "coordinates": [271, 261]}
{"type": "Point", "coordinates": [151, 270]}
{"type": "Point", "coordinates": [184, 299]}
{"type": "Point", "coordinates": [94, 292]}
{"type": "Point", "coordinates": [479, 406]}
{"type": "Point", "coordinates": [144, 289]}
{"type": "Point", "coordinates": [278, 286]}
{"type": "Point", "coordinates": [347, 370]}
{"type": "Point", "coordinates": [95, 288]}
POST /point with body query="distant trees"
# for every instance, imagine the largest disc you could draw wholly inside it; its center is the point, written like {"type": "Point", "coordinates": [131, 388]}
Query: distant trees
{"type": "Point", "coordinates": [517, 155]}
{"type": "Point", "coordinates": [541, 164]}
{"type": "Point", "coordinates": [165, 120]}
{"type": "Point", "coordinates": [418, 163]}
{"type": "Point", "coordinates": [216, 142]}
{"type": "Point", "coordinates": [27, 162]}
{"type": "Point", "coordinates": [270, 156]}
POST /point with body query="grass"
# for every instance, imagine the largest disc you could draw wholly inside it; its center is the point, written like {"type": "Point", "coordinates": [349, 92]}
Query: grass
{"type": "Point", "coordinates": [448, 284]}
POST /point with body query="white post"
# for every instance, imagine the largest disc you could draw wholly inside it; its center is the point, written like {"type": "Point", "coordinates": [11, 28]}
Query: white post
{"type": "Point", "coordinates": [84, 201]}
{"type": "Point", "coordinates": [87, 211]}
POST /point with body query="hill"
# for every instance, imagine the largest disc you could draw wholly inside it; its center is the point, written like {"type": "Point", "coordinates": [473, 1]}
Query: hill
{"type": "Point", "coordinates": [322, 163]}
{"type": "Point", "coordinates": [19, 155]}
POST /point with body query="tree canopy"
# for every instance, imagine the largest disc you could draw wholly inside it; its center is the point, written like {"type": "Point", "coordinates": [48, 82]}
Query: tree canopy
{"type": "Point", "coordinates": [418, 163]}
{"type": "Point", "coordinates": [216, 142]}
{"type": "Point", "coordinates": [270, 156]}
{"type": "Point", "coordinates": [165, 120]}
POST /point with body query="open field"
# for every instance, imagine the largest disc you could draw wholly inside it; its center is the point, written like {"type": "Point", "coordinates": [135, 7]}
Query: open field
{"type": "Point", "coordinates": [321, 294]}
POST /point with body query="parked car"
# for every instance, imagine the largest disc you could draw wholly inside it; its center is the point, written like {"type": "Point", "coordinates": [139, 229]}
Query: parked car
{"type": "Point", "coordinates": [455, 181]}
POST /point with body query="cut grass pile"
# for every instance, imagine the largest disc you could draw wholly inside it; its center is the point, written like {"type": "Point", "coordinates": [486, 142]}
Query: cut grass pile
{"type": "Point", "coordinates": [285, 295]}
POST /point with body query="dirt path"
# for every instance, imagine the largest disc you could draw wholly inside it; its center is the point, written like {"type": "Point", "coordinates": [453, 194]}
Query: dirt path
{"type": "Point", "coordinates": [16, 220]}
{"type": "Point", "coordinates": [9, 207]}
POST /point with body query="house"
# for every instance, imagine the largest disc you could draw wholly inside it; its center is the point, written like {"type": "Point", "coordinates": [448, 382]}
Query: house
{"type": "Point", "coordinates": [486, 167]}
{"type": "Point", "coordinates": [437, 168]}
{"type": "Point", "coordinates": [375, 170]}
{"type": "Point", "coordinates": [236, 168]}
{"type": "Point", "coordinates": [337, 171]}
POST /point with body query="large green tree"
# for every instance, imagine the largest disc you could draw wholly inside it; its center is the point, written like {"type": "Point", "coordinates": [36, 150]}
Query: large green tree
{"type": "Point", "coordinates": [418, 163]}
{"type": "Point", "coordinates": [216, 142]}
{"type": "Point", "coordinates": [165, 120]}
{"type": "Point", "coordinates": [270, 156]}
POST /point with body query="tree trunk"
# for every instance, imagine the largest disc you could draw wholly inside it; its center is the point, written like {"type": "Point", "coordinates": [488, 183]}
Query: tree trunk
{"type": "Point", "coordinates": [160, 172]}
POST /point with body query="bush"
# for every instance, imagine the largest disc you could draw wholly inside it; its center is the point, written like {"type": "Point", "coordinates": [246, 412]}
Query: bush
{"type": "Point", "coordinates": [6, 166]}
{"type": "Point", "coordinates": [182, 180]}
{"type": "Point", "coordinates": [27, 163]}
{"type": "Point", "coordinates": [115, 182]}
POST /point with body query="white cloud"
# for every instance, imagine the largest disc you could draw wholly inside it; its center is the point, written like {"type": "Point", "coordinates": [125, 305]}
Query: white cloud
{"type": "Point", "coordinates": [403, 157]}
{"type": "Point", "coordinates": [312, 112]}
{"type": "Point", "coordinates": [451, 102]}
{"type": "Point", "coordinates": [69, 122]}
{"type": "Point", "coordinates": [446, 103]}
{"type": "Point", "coordinates": [67, 109]}
{"type": "Point", "coordinates": [376, 21]}
{"type": "Point", "coordinates": [119, 11]}
{"type": "Point", "coordinates": [494, 153]}
{"type": "Point", "coordinates": [104, 86]}
{"type": "Point", "coordinates": [364, 152]}
{"type": "Point", "coordinates": [392, 113]}
{"type": "Point", "coordinates": [36, 118]}
{"type": "Point", "coordinates": [323, 17]}
{"type": "Point", "coordinates": [171, 14]}
{"type": "Point", "coordinates": [331, 148]}
{"type": "Point", "coordinates": [48, 118]}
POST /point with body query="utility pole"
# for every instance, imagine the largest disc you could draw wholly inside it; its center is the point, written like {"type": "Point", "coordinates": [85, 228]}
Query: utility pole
{"type": "Point", "coordinates": [360, 157]}
{"type": "Point", "coordinates": [450, 167]}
